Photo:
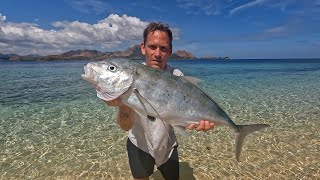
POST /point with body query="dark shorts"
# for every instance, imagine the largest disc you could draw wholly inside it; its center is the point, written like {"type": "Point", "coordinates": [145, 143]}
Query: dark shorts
{"type": "Point", "coordinates": [142, 163]}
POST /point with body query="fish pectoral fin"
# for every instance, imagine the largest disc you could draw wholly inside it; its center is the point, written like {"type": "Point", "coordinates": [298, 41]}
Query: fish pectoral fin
{"type": "Point", "coordinates": [144, 101]}
{"type": "Point", "coordinates": [180, 129]}
{"type": "Point", "coordinates": [193, 80]}
{"type": "Point", "coordinates": [146, 130]}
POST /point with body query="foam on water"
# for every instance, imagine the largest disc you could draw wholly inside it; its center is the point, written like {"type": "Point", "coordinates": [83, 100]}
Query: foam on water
{"type": "Point", "coordinates": [53, 126]}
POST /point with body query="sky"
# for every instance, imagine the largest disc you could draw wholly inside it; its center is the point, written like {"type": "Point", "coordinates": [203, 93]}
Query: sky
{"type": "Point", "coordinates": [239, 29]}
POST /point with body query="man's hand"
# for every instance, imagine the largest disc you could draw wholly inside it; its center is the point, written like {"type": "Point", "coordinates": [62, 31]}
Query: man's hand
{"type": "Point", "coordinates": [203, 126]}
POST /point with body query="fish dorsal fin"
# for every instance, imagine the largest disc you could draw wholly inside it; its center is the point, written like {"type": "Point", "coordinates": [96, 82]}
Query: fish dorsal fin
{"type": "Point", "coordinates": [193, 80]}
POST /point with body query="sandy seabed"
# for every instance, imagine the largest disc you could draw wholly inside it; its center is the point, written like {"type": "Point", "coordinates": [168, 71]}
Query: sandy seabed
{"type": "Point", "coordinates": [65, 148]}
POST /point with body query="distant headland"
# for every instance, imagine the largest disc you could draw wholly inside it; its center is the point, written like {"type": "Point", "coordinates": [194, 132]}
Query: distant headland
{"type": "Point", "coordinates": [132, 52]}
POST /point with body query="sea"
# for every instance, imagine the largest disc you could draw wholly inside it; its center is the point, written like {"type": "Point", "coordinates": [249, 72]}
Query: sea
{"type": "Point", "coordinates": [53, 126]}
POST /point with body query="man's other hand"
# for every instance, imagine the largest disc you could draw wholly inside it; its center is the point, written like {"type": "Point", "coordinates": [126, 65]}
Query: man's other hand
{"type": "Point", "coordinates": [202, 126]}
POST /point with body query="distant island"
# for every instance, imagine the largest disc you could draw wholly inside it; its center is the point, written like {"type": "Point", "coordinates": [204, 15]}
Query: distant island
{"type": "Point", "coordinates": [133, 53]}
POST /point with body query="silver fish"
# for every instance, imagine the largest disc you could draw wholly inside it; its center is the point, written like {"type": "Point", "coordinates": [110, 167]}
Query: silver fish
{"type": "Point", "coordinates": [156, 93]}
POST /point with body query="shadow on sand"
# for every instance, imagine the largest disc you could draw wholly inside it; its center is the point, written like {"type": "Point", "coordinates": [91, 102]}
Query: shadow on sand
{"type": "Point", "coordinates": [186, 172]}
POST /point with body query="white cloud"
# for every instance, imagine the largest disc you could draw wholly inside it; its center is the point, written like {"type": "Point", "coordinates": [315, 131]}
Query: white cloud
{"type": "Point", "coordinates": [231, 7]}
{"type": "Point", "coordinates": [106, 35]}
{"type": "Point", "coordinates": [277, 30]}
{"type": "Point", "coordinates": [247, 5]}
{"type": "Point", "coordinates": [2, 18]}
{"type": "Point", "coordinates": [27, 38]}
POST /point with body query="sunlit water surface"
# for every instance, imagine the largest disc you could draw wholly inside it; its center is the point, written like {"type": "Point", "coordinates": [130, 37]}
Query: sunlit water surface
{"type": "Point", "coordinates": [52, 125]}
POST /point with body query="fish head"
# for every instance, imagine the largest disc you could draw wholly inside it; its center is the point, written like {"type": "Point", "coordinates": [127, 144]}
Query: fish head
{"type": "Point", "coordinates": [110, 78]}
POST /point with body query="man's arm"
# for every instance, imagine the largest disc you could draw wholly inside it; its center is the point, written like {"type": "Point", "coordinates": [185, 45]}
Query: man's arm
{"type": "Point", "coordinates": [125, 116]}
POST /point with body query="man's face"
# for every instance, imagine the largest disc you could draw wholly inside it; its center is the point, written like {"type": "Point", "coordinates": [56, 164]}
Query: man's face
{"type": "Point", "coordinates": [157, 49]}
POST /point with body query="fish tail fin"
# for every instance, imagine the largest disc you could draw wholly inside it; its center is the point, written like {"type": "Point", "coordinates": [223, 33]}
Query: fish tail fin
{"type": "Point", "coordinates": [242, 132]}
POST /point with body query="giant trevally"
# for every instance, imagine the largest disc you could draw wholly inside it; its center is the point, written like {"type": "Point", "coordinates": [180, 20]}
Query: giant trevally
{"type": "Point", "coordinates": [152, 92]}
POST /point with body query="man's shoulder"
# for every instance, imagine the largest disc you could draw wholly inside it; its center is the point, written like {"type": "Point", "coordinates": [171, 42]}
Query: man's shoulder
{"type": "Point", "coordinates": [174, 71]}
{"type": "Point", "coordinates": [177, 72]}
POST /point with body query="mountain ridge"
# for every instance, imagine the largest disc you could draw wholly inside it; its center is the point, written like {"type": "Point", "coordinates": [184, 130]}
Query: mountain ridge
{"type": "Point", "coordinates": [132, 52]}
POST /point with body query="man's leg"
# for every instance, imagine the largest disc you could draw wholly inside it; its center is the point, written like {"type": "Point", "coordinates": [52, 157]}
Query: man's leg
{"type": "Point", "coordinates": [170, 169]}
{"type": "Point", "coordinates": [141, 163]}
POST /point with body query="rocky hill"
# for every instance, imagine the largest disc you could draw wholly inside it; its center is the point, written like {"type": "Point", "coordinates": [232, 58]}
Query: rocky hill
{"type": "Point", "coordinates": [7, 56]}
{"type": "Point", "coordinates": [133, 52]}
{"type": "Point", "coordinates": [73, 55]}
{"type": "Point", "coordinates": [182, 54]}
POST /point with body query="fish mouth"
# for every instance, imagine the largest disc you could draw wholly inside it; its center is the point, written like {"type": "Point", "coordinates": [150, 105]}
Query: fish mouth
{"type": "Point", "coordinates": [89, 74]}
{"type": "Point", "coordinates": [89, 80]}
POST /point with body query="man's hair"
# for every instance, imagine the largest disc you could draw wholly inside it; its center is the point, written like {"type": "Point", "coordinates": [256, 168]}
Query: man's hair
{"type": "Point", "coordinates": [153, 26]}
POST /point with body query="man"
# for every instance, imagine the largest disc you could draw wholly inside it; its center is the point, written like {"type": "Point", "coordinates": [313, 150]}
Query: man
{"type": "Point", "coordinates": [145, 149]}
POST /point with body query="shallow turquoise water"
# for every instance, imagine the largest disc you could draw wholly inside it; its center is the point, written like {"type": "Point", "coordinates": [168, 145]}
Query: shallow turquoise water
{"type": "Point", "coordinates": [53, 126]}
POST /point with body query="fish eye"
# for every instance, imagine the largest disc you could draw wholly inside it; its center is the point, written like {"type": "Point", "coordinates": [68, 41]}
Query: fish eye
{"type": "Point", "coordinates": [112, 68]}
